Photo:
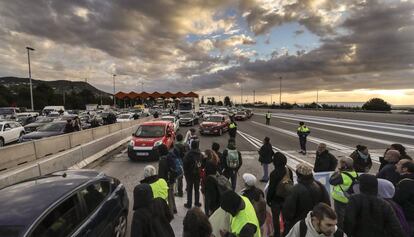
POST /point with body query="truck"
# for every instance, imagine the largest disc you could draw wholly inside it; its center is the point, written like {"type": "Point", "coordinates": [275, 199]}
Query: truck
{"type": "Point", "coordinates": [189, 105]}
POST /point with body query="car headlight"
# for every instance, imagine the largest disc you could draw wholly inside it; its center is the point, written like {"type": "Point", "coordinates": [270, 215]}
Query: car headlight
{"type": "Point", "coordinates": [131, 143]}
{"type": "Point", "coordinates": [157, 143]}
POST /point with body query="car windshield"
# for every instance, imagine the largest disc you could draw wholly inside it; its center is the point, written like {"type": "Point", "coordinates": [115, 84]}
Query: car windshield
{"type": "Point", "coordinates": [124, 116]}
{"type": "Point", "coordinates": [185, 106]}
{"type": "Point", "coordinates": [52, 127]}
{"type": "Point", "coordinates": [214, 119]}
{"type": "Point", "coordinates": [150, 131]}
{"type": "Point", "coordinates": [10, 231]}
{"type": "Point", "coordinates": [186, 116]}
{"type": "Point", "coordinates": [4, 111]}
{"type": "Point", "coordinates": [53, 115]}
{"type": "Point", "coordinates": [168, 119]}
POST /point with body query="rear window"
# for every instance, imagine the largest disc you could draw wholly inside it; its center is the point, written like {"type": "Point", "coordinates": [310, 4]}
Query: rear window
{"type": "Point", "coordinates": [10, 231]}
{"type": "Point", "coordinates": [52, 127]}
{"type": "Point", "coordinates": [150, 131]}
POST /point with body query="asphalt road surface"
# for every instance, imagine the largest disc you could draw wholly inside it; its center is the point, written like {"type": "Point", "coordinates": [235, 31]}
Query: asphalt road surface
{"type": "Point", "coordinates": [340, 131]}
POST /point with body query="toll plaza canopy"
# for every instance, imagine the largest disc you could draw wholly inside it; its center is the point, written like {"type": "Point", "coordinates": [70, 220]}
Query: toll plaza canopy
{"type": "Point", "coordinates": [144, 95]}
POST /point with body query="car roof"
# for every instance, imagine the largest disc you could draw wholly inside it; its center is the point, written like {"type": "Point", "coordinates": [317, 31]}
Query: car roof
{"type": "Point", "coordinates": [168, 117]}
{"type": "Point", "coordinates": [156, 123]}
{"type": "Point", "coordinates": [21, 204]}
{"type": "Point", "coordinates": [217, 115]}
{"type": "Point", "coordinates": [7, 121]}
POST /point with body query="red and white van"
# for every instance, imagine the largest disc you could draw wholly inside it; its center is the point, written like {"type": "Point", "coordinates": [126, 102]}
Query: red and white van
{"type": "Point", "coordinates": [148, 136]}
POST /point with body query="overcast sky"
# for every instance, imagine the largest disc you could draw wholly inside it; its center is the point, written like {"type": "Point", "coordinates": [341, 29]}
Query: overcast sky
{"type": "Point", "coordinates": [349, 50]}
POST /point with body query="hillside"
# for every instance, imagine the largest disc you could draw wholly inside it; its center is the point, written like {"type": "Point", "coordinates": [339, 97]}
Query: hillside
{"type": "Point", "coordinates": [59, 86]}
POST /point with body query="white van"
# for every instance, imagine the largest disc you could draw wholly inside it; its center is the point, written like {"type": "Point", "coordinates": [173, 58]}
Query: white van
{"type": "Point", "coordinates": [54, 108]}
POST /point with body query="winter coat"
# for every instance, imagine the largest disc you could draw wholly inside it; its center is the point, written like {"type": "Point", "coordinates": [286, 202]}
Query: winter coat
{"type": "Point", "coordinates": [404, 195]}
{"type": "Point", "coordinates": [180, 149]}
{"type": "Point", "coordinates": [275, 177]}
{"type": "Point", "coordinates": [325, 161]}
{"type": "Point", "coordinates": [266, 154]}
{"type": "Point", "coordinates": [192, 164]}
{"type": "Point", "coordinates": [369, 216]}
{"type": "Point", "coordinates": [167, 168]}
{"type": "Point", "coordinates": [311, 232]}
{"type": "Point", "coordinates": [361, 165]}
{"type": "Point", "coordinates": [228, 172]}
{"type": "Point", "coordinates": [303, 197]}
{"type": "Point", "coordinates": [212, 194]}
{"type": "Point", "coordinates": [389, 173]}
{"type": "Point", "coordinates": [143, 225]}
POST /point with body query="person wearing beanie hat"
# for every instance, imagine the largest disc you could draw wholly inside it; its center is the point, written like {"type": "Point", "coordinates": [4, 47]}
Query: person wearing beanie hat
{"type": "Point", "coordinates": [243, 221]}
{"type": "Point", "coordinates": [255, 195]}
{"type": "Point", "coordinates": [389, 171]}
{"type": "Point", "coordinates": [303, 197]}
{"type": "Point", "coordinates": [158, 185]}
{"type": "Point", "coordinates": [275, 201]}
{"type": "Point", "coordinates": [368, 215]}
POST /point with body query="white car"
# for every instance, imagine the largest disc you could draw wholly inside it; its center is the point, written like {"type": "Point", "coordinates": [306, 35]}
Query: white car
{"type": "Point", "coordinates": [10, 131]}
{"type": "Point", "coordinates": [125, 117]}
{"type": "Point", "coordinates": [174, 120]}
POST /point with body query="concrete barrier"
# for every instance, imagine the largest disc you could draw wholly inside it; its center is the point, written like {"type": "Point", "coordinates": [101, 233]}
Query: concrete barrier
{"type": "Point", "coordinates": [61, 161]}
{"type": "Point", "coordinates": [100, 132]}
{"type": "Point", "coordinates": [92, 148]}
{"type": "Point", "coordinates": [82, 137]}
{"type": "Point", "coordinates": [15, 155]}
{"type": "Point", "coordinates": [115, 127]}
{"type": "Point", "coordinates": [51, 145]}
{"type": "Point", "coordinates": [25, 172]}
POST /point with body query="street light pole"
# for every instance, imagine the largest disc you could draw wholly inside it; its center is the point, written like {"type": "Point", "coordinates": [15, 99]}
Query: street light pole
{"type": "Point", "coordinates": [241, 94]}
{"type": "Point", "coordinates": [280, 92]}
{"type": "Point", "coordinates": [30, 76]}
{"type": "Point", "coordinates": [317, 95]}
{"type": "Point", "coordinates": [113, 78]}
{"type": "Point", "coordinates": [254, 96]}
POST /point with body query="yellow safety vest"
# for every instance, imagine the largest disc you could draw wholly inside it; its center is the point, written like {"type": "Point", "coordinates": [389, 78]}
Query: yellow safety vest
{"type": "Point", "coordinates": [247, 215]}
{"type": "Point", "coordinates": [232, 125]}
{"type": "Point", "coordinates": [160, 189]}
{"type": "Point", "coordinates": [338, 190]}
{"type": "Point", "coordinates": [303, 129]}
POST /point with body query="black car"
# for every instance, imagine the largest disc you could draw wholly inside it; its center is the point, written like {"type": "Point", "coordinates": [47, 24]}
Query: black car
{"type": "Point", "coordinates": [68, 203]}
{"type": "Point", "coordinates": [188, 119]}
{"type": "Point", "coordinates": [47, 130]}
{"type": "Point", "coordinates": [40, 121]}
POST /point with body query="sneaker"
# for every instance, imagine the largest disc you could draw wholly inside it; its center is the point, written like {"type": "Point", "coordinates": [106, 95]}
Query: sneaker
{"type": "Point", "coordinates": [187, 206]}
{"type": "Point", "coordinates": [197, 204]}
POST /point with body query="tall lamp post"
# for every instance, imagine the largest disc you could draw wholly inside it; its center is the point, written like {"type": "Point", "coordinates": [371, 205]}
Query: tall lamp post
{"type": "Point", "coordinates": [113, 78]}
{"type": "Point", "coordinates": [30, 76]}
{"type": "Point", "coordinates": [280, 92]}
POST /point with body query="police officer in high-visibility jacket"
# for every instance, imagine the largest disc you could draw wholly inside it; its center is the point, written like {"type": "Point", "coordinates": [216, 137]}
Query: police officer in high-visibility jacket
{"type": "Point", "coordinates": [268, 116]}
{"type": "Point", "coordinates": [342, 182]}
{"type": "Point", "coordinates": [232, 128]}
{"type": "Point", "coordinates": [243, 220]}
{"type": "Point", "coordinates": [303, 132]}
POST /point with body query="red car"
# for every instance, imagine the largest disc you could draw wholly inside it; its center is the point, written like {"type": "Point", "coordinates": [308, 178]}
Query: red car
{"type": "Point", "coordinates": [148, 137]}
{"type": "Point", "coordinates": [215, 124]}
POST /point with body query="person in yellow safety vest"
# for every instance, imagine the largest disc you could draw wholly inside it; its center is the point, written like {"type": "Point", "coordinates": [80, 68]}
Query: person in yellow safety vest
{"type": "Point", "coordinates": [303, 132]}
{"type": "Point", "coordinates": [232, 128]}
{"type": "Point", "coordinates": [268, 116]}
{"type": "Point", "coordinates": [342, 182]}
{"type": "Point", "coordinates": [158, 185]}
{"type": "Point", "coordinates": [244, 220]}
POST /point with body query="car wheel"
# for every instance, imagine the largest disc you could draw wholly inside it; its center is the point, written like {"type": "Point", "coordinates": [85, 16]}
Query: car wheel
{"type": "Point", "coordinates": [121, 226]}
{"type": "Point", "coordinates": [1, 142]}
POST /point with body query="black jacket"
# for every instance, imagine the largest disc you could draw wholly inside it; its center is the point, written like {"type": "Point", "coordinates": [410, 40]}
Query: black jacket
{"type": "Point", "coordinates": [266, 154]}
{"type": "Point", "coordinates": [404, 195]}
{"type": "Point", "coordinates": [389, 173]}
{"type": "Point", "coordinates": [325, 161]}
{"type": "Point", "coordinates": [275, 177]}
{"type": "Point", "coordinates": [212, 194]}
{"type": "Point", "coordinates": [167, 169]}
{"type": "Point", "coordinates": [360, 165]}
{"type": "Point", "coordinates": [192, 163]}
{"type": "Point", "coordinates": [180, 150]}
{"type": "Point", "coordinates": [369, 216]}
{"type": "Point", "coordinates": [228, 172]}
{"type": "Point", "coordinates": [303, 197]}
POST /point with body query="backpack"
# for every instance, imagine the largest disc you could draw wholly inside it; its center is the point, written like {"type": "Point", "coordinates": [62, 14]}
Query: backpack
{"type": "Point", "coordinates": [348, 193]}
{"type": "Point", "coordinates": [178, 166]}
{"type": "Point", "coordinates": [285, 185]}
{"type": "Point", "coordinates": [232, 159]}
{"type": "Point", "coordinates": [303, 228]}
{"type": "Point", "coordinates": [223, 184]}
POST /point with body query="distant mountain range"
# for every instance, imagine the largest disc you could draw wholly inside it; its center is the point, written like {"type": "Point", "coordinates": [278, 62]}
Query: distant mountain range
{"type": "Point", "coordinates": [59, 85]}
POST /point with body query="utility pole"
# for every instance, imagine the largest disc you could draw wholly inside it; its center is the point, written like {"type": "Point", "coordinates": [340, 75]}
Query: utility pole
{"type": "Point", "coordinates": [254, 96]}
{"type": "Point", "coordinates": [241, 94]}
{"type": "Point", "coordinates": [64, 101]}
{"type": "Point", "coordinates": [317, 95]}
{"type": "Point", "coordinates": [280, 92]}
{"type": "Point", "coordinates": [113, 78]}
{"type": "Point", "coordinates": [271, 99]}
{"type": "Point", "coordinates": [30, 76]}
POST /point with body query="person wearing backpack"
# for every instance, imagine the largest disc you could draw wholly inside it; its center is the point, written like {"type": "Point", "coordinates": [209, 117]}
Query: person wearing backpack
{"type": "Point", "coordinates": [342, 182]}
{"type": "Point", "coordinates": [232, 160]}
{"type": "Point", "coordinates": [180, 150]}
{"type": "Point", "coordinates": [320, 222]}
{"type": "Point", "coordinates": [167, 170]}
{"type": "Point", "coordinates": [265, 158]}
{"type": "Point", "coordinates": [303, 196]}
{"type": "Point", "coordinates": [192, 165]}
{"type": "Point", "coordinates": [275, 201]}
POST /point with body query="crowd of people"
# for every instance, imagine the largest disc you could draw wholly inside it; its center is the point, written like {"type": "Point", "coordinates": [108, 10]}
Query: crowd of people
{"type": "Point", "coordinates": [363, 204]}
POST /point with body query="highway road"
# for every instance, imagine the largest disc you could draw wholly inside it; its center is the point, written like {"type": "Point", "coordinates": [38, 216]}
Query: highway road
{"type": "Point", "coordinates": [341, 131]}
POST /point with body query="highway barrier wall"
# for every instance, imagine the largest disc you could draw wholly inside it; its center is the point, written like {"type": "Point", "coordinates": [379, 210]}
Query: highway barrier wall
{"type": "Point", "coordinates": [31, 159]}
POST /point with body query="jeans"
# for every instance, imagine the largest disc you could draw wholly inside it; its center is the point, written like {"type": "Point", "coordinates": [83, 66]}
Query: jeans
{"type": "Point", "coordinates": [267, 121]}
{"type": "Point", "coordinates": [190, 185]}
{"type": "Point", "coordinates": [265, 171]}
{"type": "Point", "coordinates": [276, 208]}
{"type": "Point", "coordinates": [180, 185]}
{"type": "Point", "coordinates": [340, 212]}
{"type": "Point", "coordinates": [302, 141]}
{"type": "Point", "coordinates": [171, 198]}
